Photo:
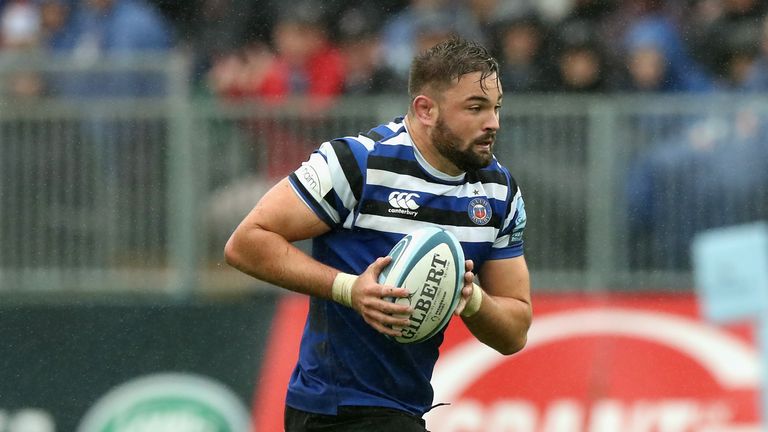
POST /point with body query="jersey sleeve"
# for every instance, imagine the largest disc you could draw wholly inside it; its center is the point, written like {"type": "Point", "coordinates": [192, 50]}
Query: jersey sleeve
{"type": "Point", "coordinates": [509, 242]}
{"type": "Point", "coordinates": [330, 181]}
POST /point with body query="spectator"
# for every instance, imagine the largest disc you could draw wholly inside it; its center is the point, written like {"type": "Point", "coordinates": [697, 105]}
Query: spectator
{"type": "Point", "coordinates": [215, 28]}
{"type": "Point", "coordinates": [483, 15]}
{"type": "Point", "coordinates": [657, 61]}
{"type": "Point", "coordinates": [112, 30]}
{"type": "Point", "coordinates": [20, 36]}
{"type": "Point", "coordinates": [581, 68]}
{"type": "Point", "coordinates": [430, 29]}
{"type": "Point", "coordinates": [305, 63]}
{"type": "Point", "coordinates": [549, 11]}
{"type": "Point", "coordinates": [239, 74]}
{"type": "Point", "coordinates": [688, 184]}
{"type": "Point", "coordinates": [99, 35]}
{"type": "Point", "coordinates": [646, 70]}
{"type": "Point", "coordinates": [757, 76]}
{"type": "Point", "coordinates": [305, 66]}
{"type": "Point", "coordinates": [19, 25]}
{"type": "Point", "coordinates": [715, 36]}
{"type": "Point", "coordinates": [54, 22]}
{"type": "Point", "coordinates": [421, 24]}
{"type": "Point", "coordinates": [365, 71]}
{"type": "Point", "coordinates": [523, 53]}
{"type": "Point", "coordinates": [589, 22]}
{"type": "Point", "coordinates": [740, 54]}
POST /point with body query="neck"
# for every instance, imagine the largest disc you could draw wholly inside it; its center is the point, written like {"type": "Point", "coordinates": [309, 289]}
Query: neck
{"type": "Point", "coordinates": [420, 136]}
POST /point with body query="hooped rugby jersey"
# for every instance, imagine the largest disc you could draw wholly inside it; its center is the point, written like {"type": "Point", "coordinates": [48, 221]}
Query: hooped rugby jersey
{"type": "Point", "coordinates": [372, 190]}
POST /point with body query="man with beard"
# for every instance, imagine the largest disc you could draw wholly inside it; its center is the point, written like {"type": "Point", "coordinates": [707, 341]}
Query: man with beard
{"type": "Point", "coordinates": [355, 198]}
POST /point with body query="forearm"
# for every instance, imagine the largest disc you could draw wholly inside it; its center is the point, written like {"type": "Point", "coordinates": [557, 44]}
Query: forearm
{"type": "Point", "coordinates": [269, 257]}
{"type": "Point", "coordinates": [501, 323]}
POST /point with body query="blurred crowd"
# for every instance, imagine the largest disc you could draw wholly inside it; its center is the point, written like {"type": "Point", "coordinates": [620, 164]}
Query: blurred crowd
{"type": "Point", "coordinates": [273, 49]}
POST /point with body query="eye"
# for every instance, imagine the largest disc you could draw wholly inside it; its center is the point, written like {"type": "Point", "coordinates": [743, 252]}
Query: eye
{"type": "Point", "coordinates": [475, 108]}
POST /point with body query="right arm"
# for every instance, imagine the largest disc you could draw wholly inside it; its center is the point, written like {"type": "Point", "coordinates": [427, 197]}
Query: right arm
{"type": "Point", "coordinates": [261, 246]}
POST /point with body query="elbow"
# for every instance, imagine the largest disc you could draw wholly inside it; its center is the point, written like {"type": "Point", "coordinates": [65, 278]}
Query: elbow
{"type": "Point", "coordinates": [517, 339]}
{"type": "Point", "coordinates": [230, 252]}
{"type": "Point", "coordinates": [245, 252]}
{"type": "Point", "coordinates": [233, 250]}
{"type": "Point", "coordinates": [514, 345]}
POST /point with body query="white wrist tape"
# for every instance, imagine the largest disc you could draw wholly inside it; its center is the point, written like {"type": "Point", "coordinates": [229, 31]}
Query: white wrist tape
{"type": "Point", "coordinates": [341, 291]}
{"type": "Point", "coordinates": [474, 302]}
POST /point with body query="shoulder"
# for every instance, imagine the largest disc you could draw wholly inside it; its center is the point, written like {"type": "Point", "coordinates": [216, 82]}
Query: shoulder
{"type": "Point", "coordinates": [392, 132]}
{"type": "Point", "coordinates": [375, 140]}
{"type": "Point", "coordinates": [496, 173]}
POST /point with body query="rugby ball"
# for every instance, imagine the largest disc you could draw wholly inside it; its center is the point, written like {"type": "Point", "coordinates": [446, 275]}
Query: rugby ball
{"type": "Point", "coordinates": [429, 263]}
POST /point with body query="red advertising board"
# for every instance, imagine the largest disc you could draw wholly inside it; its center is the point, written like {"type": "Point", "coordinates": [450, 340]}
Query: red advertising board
{"type": "Point", "coordinates": [593, 363]}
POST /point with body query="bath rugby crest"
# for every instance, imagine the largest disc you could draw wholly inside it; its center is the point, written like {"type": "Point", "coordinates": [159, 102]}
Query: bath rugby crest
{"type": "Point", "coordinates": [479, 210]}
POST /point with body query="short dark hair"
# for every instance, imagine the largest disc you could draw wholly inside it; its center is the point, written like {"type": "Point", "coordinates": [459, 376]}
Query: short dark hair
{"type": "Point", "coordinates": [445, 62]}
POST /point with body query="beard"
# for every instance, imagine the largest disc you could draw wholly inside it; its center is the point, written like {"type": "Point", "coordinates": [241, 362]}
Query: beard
{"type": "Point", "coordinates": [449, 145]}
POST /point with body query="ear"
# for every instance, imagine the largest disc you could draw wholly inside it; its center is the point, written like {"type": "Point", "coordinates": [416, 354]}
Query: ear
{"type": "Point", "coordinates": [425, 110]}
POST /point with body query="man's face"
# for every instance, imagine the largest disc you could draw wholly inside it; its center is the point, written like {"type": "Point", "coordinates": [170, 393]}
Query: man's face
{"type": "Point", "coordinates": [468, 118]}
{"type": "Point", "coordinates": [99, 4]}
{"type": "Point", "coordinates": [647, 67]}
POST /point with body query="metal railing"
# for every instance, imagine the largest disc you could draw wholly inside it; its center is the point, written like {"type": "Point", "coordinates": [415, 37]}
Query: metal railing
{"type": "Point", "coordinates": [139, 195]}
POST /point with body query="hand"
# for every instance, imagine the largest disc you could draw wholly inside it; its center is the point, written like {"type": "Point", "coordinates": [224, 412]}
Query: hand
{"type": "Point", "coordinates": [368, 300]}
{"type": "Point", "coordinates": [466, 291]}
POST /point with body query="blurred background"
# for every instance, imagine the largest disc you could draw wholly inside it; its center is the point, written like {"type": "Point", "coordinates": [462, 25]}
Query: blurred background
{"type": "Point", "coordinates": [136, 134]}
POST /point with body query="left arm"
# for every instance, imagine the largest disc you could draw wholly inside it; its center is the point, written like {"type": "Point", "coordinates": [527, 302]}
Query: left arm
{"type": "Point", "coordinates": [505, 312]}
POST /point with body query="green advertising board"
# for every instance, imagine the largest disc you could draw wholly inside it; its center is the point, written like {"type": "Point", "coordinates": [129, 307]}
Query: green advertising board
{"type": "Point", "coordinates": [131, 367]}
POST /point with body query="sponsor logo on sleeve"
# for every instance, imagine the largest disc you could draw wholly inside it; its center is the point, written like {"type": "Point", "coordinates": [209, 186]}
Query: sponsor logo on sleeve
{"type": "Point", "coordinates": [520, 220]}
{"type": "Point", "coordinates": [310, 174]}
{"type": "Point", "coordinates": [309, 178]}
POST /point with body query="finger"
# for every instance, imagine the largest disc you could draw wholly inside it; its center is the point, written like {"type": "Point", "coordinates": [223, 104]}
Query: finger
{"type": "Point", "coordinates": [394, 308]}
{"type": "Point", "coordinates": [376, 308]}
{"type": "Point", "coordinates": [466, 293]}
{"type": "Point", "coordinates": [377, 266]}
{"type": "Point", "coordinates": [390, 291]}
{"type": "Point", "coordinates": [469, 278]}
{"type": "Point", "coordinates": [460, 306]}
{"type": "Point", "coordinates": [469, 265]}
{"type": "Point", "coordinates": [386, 324]}
{"type": "Point", "coordinates": [396, 321]}
{"type": "Point", "coordinates": [385, 330]}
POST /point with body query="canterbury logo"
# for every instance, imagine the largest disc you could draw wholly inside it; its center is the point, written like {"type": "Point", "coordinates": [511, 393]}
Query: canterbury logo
{"type": "Point", "coordinates": [403, 200]}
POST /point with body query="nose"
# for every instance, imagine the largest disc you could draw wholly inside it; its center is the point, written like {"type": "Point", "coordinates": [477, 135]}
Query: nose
{"type": "Point", "coordinates": [492, 123]}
